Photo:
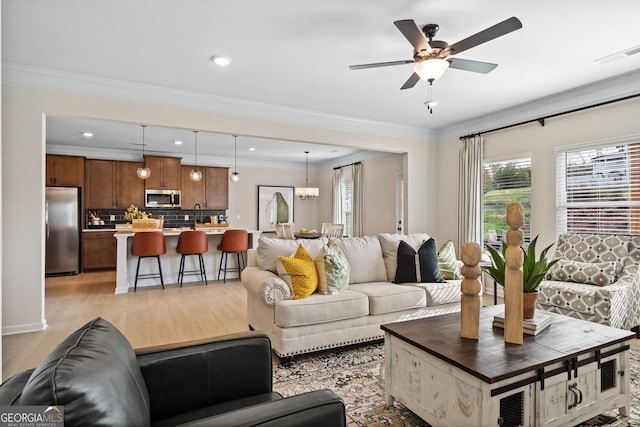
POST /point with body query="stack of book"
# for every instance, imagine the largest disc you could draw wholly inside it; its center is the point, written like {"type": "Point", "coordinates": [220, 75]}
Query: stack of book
{"type": "Point", "coordinates": [534, 326]}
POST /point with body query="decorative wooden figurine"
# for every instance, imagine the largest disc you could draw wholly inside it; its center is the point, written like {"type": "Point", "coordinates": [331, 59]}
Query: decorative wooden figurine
{"type": "Point", "coordinates": [470, 288]}
{"type": "Point", "coordinates": [513, 275]}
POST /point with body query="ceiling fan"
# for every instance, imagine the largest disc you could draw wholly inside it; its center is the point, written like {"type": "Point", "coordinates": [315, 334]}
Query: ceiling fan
{"type": "Point", "coordinates": [431, 56]}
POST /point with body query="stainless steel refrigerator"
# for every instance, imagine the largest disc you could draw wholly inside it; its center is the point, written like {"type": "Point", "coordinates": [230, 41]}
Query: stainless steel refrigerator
{"type": "Point", "coordinates": [62, 227]}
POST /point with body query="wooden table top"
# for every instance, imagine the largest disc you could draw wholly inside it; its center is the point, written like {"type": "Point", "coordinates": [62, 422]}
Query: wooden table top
{"type": "Point", "coordinates": [490, 358]}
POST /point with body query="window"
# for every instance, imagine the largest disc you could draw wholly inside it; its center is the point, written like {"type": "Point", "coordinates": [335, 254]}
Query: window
{"type": "Point", "coordinates": [503, 183]}
{"type": "Point", "coordinates": [598, 189]}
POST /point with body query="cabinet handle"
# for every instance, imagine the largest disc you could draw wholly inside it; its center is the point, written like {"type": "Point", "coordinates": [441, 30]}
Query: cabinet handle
{"type": "Point", "coordinates": [577, 395]}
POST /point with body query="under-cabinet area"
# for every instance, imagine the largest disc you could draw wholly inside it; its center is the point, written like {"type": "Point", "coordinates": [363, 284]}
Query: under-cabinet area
{"type": "Point", "coordinates": [98, 250]}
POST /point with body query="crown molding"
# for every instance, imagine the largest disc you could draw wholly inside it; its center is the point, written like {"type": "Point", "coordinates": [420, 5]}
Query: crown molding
{"type": "Point", "coordinates": [54, 80]}
{"type": "Point", "coordinates": [583, 96]}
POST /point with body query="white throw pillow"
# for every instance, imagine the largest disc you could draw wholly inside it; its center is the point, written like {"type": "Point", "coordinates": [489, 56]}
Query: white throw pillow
{"type": "Point", "coordinates": [365, 258]}
{"type": "Point", "coordinates": [389, 245]}
{"type": "Point", "coordinates": [270, 248]}
{"type": "Point", "coordinates": [333, 270]}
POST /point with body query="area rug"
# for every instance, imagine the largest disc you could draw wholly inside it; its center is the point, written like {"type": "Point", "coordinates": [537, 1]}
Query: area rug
{"type": "Point", "coordinates": [357, 374]}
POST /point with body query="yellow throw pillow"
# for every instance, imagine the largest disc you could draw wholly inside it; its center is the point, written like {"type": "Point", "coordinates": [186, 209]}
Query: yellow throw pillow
{"type": "Point", "coordinates": [302, 269]}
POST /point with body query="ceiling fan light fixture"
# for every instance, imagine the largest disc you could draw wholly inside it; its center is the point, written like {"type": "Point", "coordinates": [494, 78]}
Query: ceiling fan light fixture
{"type": "Point", "coordinates": [431, 69]}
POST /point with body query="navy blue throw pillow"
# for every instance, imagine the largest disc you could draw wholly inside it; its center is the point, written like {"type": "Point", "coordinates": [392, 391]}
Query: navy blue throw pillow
{"type": "Point", "coordinates": [418, 267]}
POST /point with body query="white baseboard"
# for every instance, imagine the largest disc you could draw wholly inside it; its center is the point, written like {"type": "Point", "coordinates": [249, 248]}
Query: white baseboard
{"type": "Point", "coordinates": [24, 328]}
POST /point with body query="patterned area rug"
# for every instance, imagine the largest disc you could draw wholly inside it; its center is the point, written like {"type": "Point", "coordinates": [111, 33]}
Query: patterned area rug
{"type": "Point", "coordinates": [357, 374]}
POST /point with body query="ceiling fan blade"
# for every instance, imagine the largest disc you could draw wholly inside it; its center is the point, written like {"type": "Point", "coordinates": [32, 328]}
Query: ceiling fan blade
{"type": "Point", "coordinates": [381, 64]}
{"type": "Point", "coordinates": [409, 29]}
{"type": "Point", "coordinates": [469, 65]}
{"type": "Point", "coordinates": [415, 78]}
{"type": "Point", "coordinates": [485, 35]}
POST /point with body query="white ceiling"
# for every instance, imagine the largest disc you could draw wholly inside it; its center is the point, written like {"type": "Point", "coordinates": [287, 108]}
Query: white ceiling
{"type": "Point", "coordinates": [294, 55]}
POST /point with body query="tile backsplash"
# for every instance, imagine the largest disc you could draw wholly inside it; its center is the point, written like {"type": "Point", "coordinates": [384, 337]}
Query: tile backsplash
{"type": "Point", "coordinates": [173, 217]}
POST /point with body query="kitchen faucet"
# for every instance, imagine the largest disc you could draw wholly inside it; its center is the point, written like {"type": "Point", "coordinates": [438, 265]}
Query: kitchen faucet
{"type": "Point", "coordinates": [195, 220]}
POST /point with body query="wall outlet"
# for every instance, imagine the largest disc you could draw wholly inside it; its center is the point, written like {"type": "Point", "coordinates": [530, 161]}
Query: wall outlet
{"type": "Point", "coordinates": [112, 217]}
{"type": "Point", "coordinates": [237, 217]}
{"type": "Point", "coordinates": [186, 217]}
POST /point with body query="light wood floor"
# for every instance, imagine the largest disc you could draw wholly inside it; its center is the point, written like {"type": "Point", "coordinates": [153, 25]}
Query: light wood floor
{"type": "Point", "coordinates": [149, 317]}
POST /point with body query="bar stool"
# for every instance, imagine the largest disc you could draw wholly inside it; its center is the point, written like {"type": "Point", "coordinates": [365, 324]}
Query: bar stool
{"type": "Point", "coordinates": [192, 243]}
{"type": "Point", "coordinates": [147, 244]}
{"type": "Point", "coordinates": [233, 241]}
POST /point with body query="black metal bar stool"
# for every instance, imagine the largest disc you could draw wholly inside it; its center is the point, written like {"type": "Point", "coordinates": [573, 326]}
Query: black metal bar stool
{"type": "Point", "coordinates": [148, 244]}
{"type": "Point", "coordinates": [192, 243]}
{"type": "Point", "coordinates": [233, 242]}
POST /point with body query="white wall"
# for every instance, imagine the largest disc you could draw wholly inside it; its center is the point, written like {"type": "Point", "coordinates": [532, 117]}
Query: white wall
{"type": "Point", "coordinates": [596, 124]}
{"type": "Point", "coordinates": [23, 163]}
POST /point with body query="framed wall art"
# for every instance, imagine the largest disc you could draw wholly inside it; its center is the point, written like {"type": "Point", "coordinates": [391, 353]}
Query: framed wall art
{"type": "Point", "coordinates": [275, 205]}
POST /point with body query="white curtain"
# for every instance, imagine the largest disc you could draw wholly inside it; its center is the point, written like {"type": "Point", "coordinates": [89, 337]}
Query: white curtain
{"type": "Point", "coordinates": [337, 196]}
{"type": "Point", "coordinates": [470, 191]}
{"type": "Point", "coordinates": [357, 210]}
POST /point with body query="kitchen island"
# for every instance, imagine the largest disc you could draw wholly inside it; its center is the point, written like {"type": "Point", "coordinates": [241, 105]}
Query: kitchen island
{"type": "Point", "coordinates": [126, 263]}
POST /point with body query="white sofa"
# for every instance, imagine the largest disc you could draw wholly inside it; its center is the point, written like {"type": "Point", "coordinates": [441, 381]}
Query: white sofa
{"type": "Point", "coordinates": [318, 322]}
{"type": "Point", "coordinates": [596, 279]}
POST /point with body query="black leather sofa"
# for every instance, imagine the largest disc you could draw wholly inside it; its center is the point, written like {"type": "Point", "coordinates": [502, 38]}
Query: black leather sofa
{"type": "Point", "coordinates": [101, 381]}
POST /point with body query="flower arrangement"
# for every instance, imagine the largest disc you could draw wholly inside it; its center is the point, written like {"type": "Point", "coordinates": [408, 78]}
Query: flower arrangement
{"type": "Point", "coordinates": [134, 213]}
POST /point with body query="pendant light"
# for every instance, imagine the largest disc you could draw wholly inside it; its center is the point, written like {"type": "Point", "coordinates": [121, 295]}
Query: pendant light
{"type": "Point", "coordinates": [195, 174]}
{"type": "Point", "coordinates": [235, 176]}
{"type": "Point", "coordinates": [144, 172]}
{"type": "Point", "coordinates": [306, 192]}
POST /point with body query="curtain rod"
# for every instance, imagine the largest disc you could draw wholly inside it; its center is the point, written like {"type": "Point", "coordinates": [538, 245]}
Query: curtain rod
{"type": "Point", "coordinates": [542, 119]}
{"type": "Point", "coordinates": [344, 166]}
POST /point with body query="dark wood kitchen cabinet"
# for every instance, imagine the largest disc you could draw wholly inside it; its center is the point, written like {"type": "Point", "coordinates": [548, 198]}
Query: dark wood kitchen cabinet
{"type": "Point", "coordinates": [112, 184]}
{"type": "Point", "coordinates": [165, 173]}
{"type": "Point", "coordinates": [98, 250]}
{"type": "Point", "coordinates": [65, 170]}
{"type": "Point", "coordinates": [212, 192]}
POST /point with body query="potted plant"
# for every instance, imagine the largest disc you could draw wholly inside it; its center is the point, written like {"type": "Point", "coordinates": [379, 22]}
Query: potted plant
{"type": "Point", "coordinates": [533, 272]}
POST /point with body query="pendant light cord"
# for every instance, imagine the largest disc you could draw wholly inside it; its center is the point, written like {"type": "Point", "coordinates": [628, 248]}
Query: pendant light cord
{"type": "Point", "coordinates": [196, 150]}
{"type": "Point", "coordinates": [307, 169]}
{"type": "Point", "coordinates": [235, 153]}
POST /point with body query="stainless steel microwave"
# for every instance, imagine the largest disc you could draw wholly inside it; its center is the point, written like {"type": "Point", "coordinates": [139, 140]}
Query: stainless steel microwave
{"type": "Point", "coordinates": [162, 198]}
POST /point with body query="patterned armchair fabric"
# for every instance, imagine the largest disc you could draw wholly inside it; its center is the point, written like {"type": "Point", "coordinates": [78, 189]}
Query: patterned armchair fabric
{"type": "Point", "coordinates": [616, 304]}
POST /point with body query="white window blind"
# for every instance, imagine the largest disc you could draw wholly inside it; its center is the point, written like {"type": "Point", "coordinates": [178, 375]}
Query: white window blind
{"type": "Point", "coordinates": [505, 182]}
{"type": "Point", "coordinates": [598, 189]}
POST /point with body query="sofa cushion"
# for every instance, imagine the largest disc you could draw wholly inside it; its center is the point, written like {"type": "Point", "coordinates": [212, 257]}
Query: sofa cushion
{"type": "Point", "coordinates": [385, 297]}
{"type": "Point", "coordinates": [448, 263]}
{"type": "Point", "coordinates": [600, 273]}
{"type": "Point", "coordinates": [95, 375]}
{"type": "Point", "coordinates": [320, 308]}
{"type": "Point", "coordinates": [365, 258]}
{"type": "Point", "coordinates": [441, 293]}
{"type": "Point", "coordinates": [302, 273]}
{"type": "Point", "coordinates": [270, 248]}
{"type": "Point", "coordinates": [389, 245]}
{"type": "Point", "coordinates": [333, 269]}
{"type": "Point", "coordinates": [584, 247]}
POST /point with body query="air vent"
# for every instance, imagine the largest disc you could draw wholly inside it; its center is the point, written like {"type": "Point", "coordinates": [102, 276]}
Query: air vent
{"type": "Point", "coordinates": [620, 55]}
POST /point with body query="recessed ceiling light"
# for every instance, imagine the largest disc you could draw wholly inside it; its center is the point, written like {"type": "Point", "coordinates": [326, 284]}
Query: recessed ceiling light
{"type": "Point", "coordinates": [251, 148]}
{"type": "Point", "coordinates": [87, 134]}
{"type": "Point", "coordinates": [221, 60]}
{"type": "Point", "coordinates": [177, 142]}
